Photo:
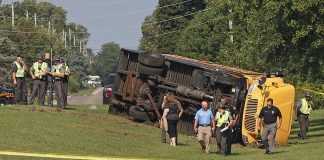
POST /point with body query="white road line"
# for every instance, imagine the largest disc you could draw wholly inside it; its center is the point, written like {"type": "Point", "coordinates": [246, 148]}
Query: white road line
{"type": "Point", "coordinates": [59, 156]}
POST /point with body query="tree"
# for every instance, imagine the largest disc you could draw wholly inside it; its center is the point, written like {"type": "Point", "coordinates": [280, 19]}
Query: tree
{"type": "Point", "coordinates": [169, 16]}
{"type": "Point", "coordinates": [106, 60]}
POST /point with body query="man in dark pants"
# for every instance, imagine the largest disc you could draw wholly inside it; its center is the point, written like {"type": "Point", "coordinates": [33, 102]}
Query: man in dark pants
{"type": "Point", "coordinates": [303, 108]}
{"type": "Point", "coordinates": [38, 72]}
{"type": "Point", "coordinates": [58, 74]}
{"type": "Point", "coordinates": [18, 74]}
{"type": "Point", "coordinates": [65, 80]}
{"type": "Point", "coordinates": [269, 116]}
{"type": "Point", "coordinates": [224, 122]}
{"type": "Point", "coordinates": [235, 114]}
{"type": "Point", "coordinates": [49, 79]}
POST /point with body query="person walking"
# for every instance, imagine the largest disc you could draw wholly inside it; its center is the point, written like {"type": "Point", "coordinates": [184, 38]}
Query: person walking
{"type": "Point", "coordinates": [268, 115]}
{"type": "Point", "coordinates": [224, 122]}
{"type": "Point", "coordinates": [163, 106]}
{"type": "Point", "coordinates": [18, 73]}
{"type": "Point", "coordinates": [58, 74]}
{"type": "Point", "coordinates": [204, 126]}
{"type": "Point", "coordinates": [172, 112]}
{"type": "Point", "coordinates": [303, 108]}
{"type": "Point", "coordinates": [38, 72]}
{"type": "Point", "coordinates": [65, 80]}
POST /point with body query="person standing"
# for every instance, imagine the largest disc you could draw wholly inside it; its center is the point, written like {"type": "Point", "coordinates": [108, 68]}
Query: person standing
{"type": "Point", "coordinates": [224, 122]}
{"type": "Point", "coordinates": [58, 74]}
{"type": "Point", "coordinates": [268, 115]}
{"type": "Point", "coordinates": [204, 126]}
{"type": "Point", "coordinates": [163, 106]}
{"type": "Point", "coordinates": [18, 73]}
{"type": "Point", "coordinates": [303, 108]}
{"type": "Point", "coordinates": [65, 80]}
{"type": "Point", "coordinates": [49, 81]}
{"type": "Point", "coordinates": [38, 72]}
{"type": "Point", "coordinates": [172, 112]}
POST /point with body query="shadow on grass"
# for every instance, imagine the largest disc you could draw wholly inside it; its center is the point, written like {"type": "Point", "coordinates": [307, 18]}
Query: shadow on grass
{"type": "Point", "coordinates": [314, 125]}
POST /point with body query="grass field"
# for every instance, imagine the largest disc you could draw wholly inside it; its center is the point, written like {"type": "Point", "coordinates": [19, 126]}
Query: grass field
{"type": "Point", "coordinates": [81, 131]}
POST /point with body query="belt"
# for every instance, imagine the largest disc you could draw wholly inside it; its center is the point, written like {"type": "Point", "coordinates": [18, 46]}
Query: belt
{"type": "Point", "coordinates": [270, 123]}
{"type": "Point", "coordinates": [204, 125]}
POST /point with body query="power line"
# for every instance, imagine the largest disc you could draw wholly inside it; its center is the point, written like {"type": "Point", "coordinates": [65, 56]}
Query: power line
{"type": "Point", "coordinates": [76, 6]}
{"type": "Point", "coordinates": [158, 35]}
{"type": "Point", "coordinates": [124, 28]}
{"type": "Point", "coordinates": [122, 14]}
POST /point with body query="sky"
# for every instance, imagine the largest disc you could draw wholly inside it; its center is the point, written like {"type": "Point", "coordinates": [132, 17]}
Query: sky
{"type": "Point", "coordinates": [108, 20]}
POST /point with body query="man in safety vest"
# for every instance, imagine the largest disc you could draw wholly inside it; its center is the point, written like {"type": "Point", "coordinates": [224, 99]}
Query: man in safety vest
{"type": "Point", "coordinates": [65, 80]}
{"type": "Point", "coordinates": [224, 121]}
{"type": "Point", "coordinates": [303, 108]}
{"type": "Point", "coordinates": [38, 73]}
{"type": "Point", "coordinates": [58, 74]}
{"type": "Point", "coordinates": [18, 73]}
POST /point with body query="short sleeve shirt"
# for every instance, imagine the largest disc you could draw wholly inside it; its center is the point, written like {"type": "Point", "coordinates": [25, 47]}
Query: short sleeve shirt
{"type": "Point", "coordinates": [204, 117]}
{"type": "Point", "coordinates": [14, 68]}
{"type": "Point", "coordinates": [270, 115]}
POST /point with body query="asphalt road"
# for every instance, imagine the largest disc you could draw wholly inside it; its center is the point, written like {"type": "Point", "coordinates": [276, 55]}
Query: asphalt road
{"type": "Point", "coordinates": [94, 98]}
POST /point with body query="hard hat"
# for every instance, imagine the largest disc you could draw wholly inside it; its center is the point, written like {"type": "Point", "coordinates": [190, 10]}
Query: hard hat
{"type": "Point", "coordinates": [308, 94]}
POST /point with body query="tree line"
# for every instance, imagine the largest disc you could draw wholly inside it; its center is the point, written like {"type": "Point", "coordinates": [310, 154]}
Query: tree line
{"type": "Point", "coordinates": [260, 35]}
{"type": "Point", "coordinates": [49, 32]}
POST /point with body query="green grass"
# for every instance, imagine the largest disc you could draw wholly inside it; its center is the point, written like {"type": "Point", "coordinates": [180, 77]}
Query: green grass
{"type": "Point", "coordinates": [83, 91]}
{"type": "Point", "coordinates": [81, 131]}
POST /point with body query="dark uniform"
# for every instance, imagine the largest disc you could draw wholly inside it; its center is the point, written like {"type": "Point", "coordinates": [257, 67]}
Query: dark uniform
{"type": "Point", "coordinates": [49, 82]}
{"type": "Point", "coordinates": [304, 107]}
{"type": "Point", "coordinates": [269, 116]}
{"type": "Point", "coordinates": [65, 81]}
{"type": "Point", "coordinates": [38, 72]}
{"type": "Point", "coordinates": [223, 129]}
{"type": "Point", "coordinates": [58, 69]}
{"type": "Point", "coordinates": [21, 92]}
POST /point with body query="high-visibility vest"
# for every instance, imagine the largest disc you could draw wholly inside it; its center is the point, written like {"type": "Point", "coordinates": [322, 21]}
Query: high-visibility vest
{"type": "Point", "coordinates": [222, 120]}
{"type": "Point", "coordinates": [20, 70]}
{"type": "Point", "coordinates": [38, 72]}
{"type": "Point", "coordinates": [56, 69]}
{"type": "Point", "coordinates": [305, 108]}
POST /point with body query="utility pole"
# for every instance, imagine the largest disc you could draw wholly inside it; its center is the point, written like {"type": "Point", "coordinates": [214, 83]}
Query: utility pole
{"type": "Point", "coordinates": [70, 36]}
{"type": "Point", "coordinates": [80, 46]}
{"type": "Point", "coordinates": [73, 40]}
{"type": "Point", "coordinates": [35, 19]}
{"type": "Point", "coordinates": [49, 26]}
{"type": "Point", "coordinates": [27, 16]}
{"type": "Point", "coordinates": [12, 15]}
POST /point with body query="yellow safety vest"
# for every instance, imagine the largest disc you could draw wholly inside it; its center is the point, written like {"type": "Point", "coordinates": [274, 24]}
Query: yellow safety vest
{"type": "Point", "coordinates": [223, 120]}
{"type": "Point", "coordinates": [20, 70]}
{"type": "Point", "coordinates": [56, 69]}
{"type": "Point", "coordinates": [37, 72]}
{"type": "Point", "coordinates": [305, 108]}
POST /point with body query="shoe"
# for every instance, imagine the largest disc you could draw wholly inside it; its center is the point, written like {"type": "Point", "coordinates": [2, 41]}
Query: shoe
{"type": "Point", "coordinates": [270, 153]}
{"type": "Point", "coordinates": [267, 152]}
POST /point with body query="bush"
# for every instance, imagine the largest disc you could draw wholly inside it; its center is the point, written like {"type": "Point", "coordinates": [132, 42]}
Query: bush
{"type": "Point", "coordinates": [74, 84]}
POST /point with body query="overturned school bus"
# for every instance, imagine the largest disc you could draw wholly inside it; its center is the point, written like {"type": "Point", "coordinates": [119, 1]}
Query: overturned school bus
{"type": "Point", "coordinates": [144, 78]}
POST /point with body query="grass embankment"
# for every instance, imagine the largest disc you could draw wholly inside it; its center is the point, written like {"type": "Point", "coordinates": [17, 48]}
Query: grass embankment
{"type": "Point", "coordinates": [81, 131]}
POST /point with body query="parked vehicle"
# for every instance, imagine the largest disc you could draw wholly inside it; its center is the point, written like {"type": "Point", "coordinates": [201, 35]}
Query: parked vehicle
{"type": "Point", "coordinates": [94, 81]}
{"type": "Point", "coordinates": [7, 96]}
{"type": "Point", "coordinates": [144, 78]}
{"type": "Point", "coordinates": [108, 88]}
